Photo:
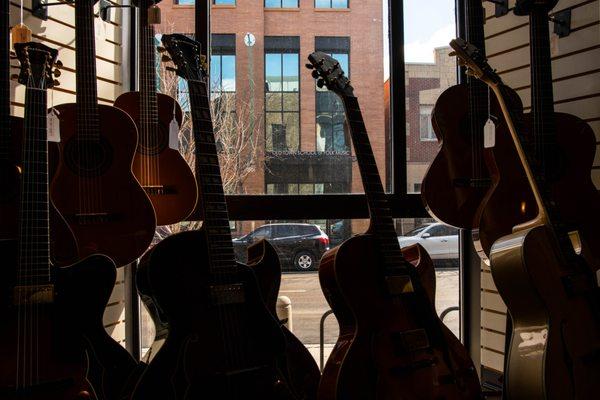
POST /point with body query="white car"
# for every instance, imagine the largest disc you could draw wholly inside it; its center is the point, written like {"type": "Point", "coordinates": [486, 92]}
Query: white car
{"type": "Point", "coordinates": [440, 241]}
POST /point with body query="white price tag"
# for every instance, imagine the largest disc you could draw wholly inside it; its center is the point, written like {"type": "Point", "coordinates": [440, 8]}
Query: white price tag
{"type": "Point", "coordinates": [489, 134]}
{"type": "Point", "coordinates": [554, 45]}
{"type": "Point", "coordinates": [53, 126]}
{"type": "Point", "coordinates": [174, 134]}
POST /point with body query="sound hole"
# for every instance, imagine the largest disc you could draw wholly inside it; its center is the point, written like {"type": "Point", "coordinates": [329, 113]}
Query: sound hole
{"type": "Point", "coordinates": [88, 157]}
{"type": "Point", "coordinates": [154, 143]}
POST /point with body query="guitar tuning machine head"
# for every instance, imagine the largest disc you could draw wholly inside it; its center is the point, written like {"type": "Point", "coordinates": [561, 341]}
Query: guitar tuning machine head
{"type": "Point", "coordinates": [56, 82]}
{"type": "Point", "coordinates": [58, 64]}
{"type": "Point", "coordinates": [165, 58]}
{"type": "Point", "coordinates": [320, 83]}
{"type": "Point", "coordinates": [309, 66]}
{"type": "Point", "coordinates": [13, 55]}
{"type": "Point", "coordinates": [160, 49]}
{"type": "Point", "coordinates": [56, 72]}
{"type": "Point", "coordinates": [171, 69]}
{"type": "Point", "coordinates": [315, 74]}
{"type": "Point", "coordinates": [14, 77]}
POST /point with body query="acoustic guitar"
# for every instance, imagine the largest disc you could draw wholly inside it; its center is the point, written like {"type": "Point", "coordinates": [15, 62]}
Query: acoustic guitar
{"type": "Point", "coordinates": [510, 201]}
{"type": "Point", "coordinates": [163, 173]}
{"type": "Point", "coordinates": [458, 179]}
{"type": "Point", "coordinates": [392, 344]}
{"type": "Point", "coordinates": [550, 291]}
{"type": "Point", "coordinates": [53, 345]}
{"type": "Point", "coordinates": [63, 245]}
{"type": "Point", "coordinates": [222, 342]}
{"type": "Point", "coordinates": [94, 188]}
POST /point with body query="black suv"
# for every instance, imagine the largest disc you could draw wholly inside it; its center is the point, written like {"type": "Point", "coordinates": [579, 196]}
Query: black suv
{"type": "Point", "coordinates": [299, 246]}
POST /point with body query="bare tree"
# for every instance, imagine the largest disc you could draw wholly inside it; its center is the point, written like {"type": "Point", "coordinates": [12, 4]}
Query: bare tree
{"type": "Point", "coordinates": [237, 135]}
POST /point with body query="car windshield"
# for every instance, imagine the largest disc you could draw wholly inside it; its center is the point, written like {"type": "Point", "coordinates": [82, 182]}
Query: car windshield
{"type": "Point", "coordinates": [416, 231]}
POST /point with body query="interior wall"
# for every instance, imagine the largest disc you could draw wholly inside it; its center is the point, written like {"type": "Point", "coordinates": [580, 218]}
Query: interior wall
{"type": "Point", "coordinates": [59, 32]}
{"type": "Point", "coordinates": [576, 75]}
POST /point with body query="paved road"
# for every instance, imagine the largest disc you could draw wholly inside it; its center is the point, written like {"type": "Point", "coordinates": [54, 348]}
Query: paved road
{"type": "Point", "coordinates": [308, 304]}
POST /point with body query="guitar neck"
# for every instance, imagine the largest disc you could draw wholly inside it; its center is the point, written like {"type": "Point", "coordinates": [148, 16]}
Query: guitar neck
{"type": "Point", "coordinates": [212, 197]}
{"type": "Point", "coordinates": [5, 132]}
{"type": "Point", "coordinates": [382, 223]}
{"type": "Point", "coordinates": [149, 110]}
{"type": "Point", "coordinates": [34, 253]}
{"type": "Point", "coordinates": [87, 92]}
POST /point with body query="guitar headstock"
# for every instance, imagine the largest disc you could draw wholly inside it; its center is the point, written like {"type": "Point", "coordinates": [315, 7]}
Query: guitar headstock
{"type": "Point", "coordinates": [524, 7]}
{"type": "Point", "coordinates": [38, 65]}
{"type": "Point", "coordinates": [328, 72]}
{"type": "Point", "coordinates": [187, 56]}
{"type": "Point", "coordinates": [475, 62]}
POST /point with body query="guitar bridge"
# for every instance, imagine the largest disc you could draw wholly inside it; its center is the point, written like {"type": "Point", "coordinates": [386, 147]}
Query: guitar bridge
{"type": "Point", "coordinates": [464, 182]}
{"type": "Point", "coordinates": [35, 294]}
{"type": "Point", "coordinates": [227, 294]}
{"type": "Point", "coordinates": [159, 190]}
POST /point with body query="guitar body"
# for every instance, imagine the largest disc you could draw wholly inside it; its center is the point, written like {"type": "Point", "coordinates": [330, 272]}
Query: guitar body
{"type": "Point", "coordinates": [447, 190]}
{"type": "Point", "coordinates": [553, 352]}
{"type": "Point", "coordinates": [74, 353]}
{"type": "Point", "coordinates": [299, 366]}
{"type": "Point", "coordinates": [510, 202]}
{"type": "Point", "coordinates": [63, 245]}
{"type": "Point", "coordinates": [368, 360]}
{"type": "Point", "coordinates": [162, 171]}
{"type": "Point", "coordinates": [191, 362]}
{"type": "Point", "coordinates": [111, 214]}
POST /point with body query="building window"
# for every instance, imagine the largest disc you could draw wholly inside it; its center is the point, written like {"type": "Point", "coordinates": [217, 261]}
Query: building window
{"type": "Point", "coordinates": [282, 93]}
{"type": "Point", "coordinates": [331, 127]}
{"type": "Point", "coordinates": [185, 2]}
{"type": "Point", "coordinates": [223, 2]}
{"type": "Point", "coordinates": [331, 3]}
{"type": "Point", "coordinates": [281, 3]}
{"type": "Point", "coordinates": [425, 126]}
{"type": "Point", "coordinates": [222, 64]}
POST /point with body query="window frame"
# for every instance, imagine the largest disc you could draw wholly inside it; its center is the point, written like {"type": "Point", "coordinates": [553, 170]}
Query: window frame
{"type": "Point", "coordinates": [281, 7]}
{"type": "Point", "coordinates": [331, 6]}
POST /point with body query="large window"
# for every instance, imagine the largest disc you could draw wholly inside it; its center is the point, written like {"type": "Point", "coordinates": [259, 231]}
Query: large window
{"type": "Point", "coordinates": [222, 64]}
{"type": "Point", "coordinates": [281, 3]}
{"type": "Point", "coordinates": [332, 133]}
{"type": "Point", "coordinates": [282, 94]}
{"type": "Point", "coordinates": [331, 3]}
{"type": "Point", "coordinates": [425, 126]}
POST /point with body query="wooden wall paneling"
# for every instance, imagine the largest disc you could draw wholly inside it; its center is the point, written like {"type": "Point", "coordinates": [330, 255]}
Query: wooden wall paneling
{"type": "Point", "coordinates": [576, 75]}
{"type": "Point", "coordinates": [59, 32]}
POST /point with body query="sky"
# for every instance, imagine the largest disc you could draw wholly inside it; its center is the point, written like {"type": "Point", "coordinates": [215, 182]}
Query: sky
{"type": "Point", "coordinates": [427, 24]}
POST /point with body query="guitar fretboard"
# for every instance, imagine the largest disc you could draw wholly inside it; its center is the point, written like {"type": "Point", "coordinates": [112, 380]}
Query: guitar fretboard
{"type": "Point", "coordinates": [5, 132]}
{"type": "Point", "coordinates": [382, 222]}
{"type": "Point", "coordinates": [88, 124]}
{"type": "Point", "coordinates": [148, 109]}
{"type": "Point", "coordinates": [212, 197]}
{"type": "Point", "coordinates": [34, 252]}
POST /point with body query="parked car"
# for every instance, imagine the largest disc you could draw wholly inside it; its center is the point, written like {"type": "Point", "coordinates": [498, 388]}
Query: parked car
{"type": "Point", "coordinates": [440, 241]}
{"type": "Point", "coordinates": [300, 246]}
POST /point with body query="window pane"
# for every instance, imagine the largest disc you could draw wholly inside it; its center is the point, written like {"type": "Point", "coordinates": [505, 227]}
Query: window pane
{"type": "Point", "coordinates": [290, 3]}
{"type": "Point", "coordinates": [273, 71]}
{"type": "Point", "coordinates": [215, 74]}
{"type": "Point", "coordinates": [273, 102]}
{"type": "Point", "coordinates": [272, 3]}
{"type": "Point", "coordinates": [322, 3]}
{"type": "Point", "coordinates": [290, 72]}
{"type": "Point", "coordinates": [339, 3]}
{"type": "Point", "coordinates": [228, 73]}
{"type": "Point", "coordinates": [291, 102]}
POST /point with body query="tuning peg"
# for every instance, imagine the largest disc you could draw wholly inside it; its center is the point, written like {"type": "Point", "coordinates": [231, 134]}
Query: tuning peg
{"type": "Point", "coordinates": [315, 74]}
{"type": "Point", "coordinates": [56, 73]}
{"type": "Point", "coordinates": [320, 83]}
{"type": "Point", "coordinates": [452, 54]}
{"type": "Point", "coordinates": [309, 66]}
{"type": "Point", "coordinates": [56, 82]}
{"type": "Point", "coordinates": [165, 58]}
{"type": "Point", "coordinates": [13, 55]}
{"type": "Point", "coordinates": [171, 69]}
{"type": "Point", "coordinates": [14, 77]}
{"type": "Point", "coordinates": [58, 64]}
{"type": "Point", "coordinates": [160, 49]}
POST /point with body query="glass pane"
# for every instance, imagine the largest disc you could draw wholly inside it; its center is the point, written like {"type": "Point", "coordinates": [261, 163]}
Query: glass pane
{"type": "Point", "coordinates": [273, 72]}
{"type": "Point", "coordinates": [290, 3]}
{"type": "Point", "coordinates": [339, 3]}
{"type": "Point", "coordinates": [322, 3]}
{"type": "Point", "coordinates": [291, 102]}
{"type": "Point", "coordinates": [228, 73]}
{"type": "Point", "coordinates": [215, 74]}
{"type": "Point", "coordinates": [273, 102]}
{"type": "Point", "coordinates": [272, 3]}
{"type": "Point", "coordinates": [290, 72]}
{"type": "Point", "coordinates": [428, 28]}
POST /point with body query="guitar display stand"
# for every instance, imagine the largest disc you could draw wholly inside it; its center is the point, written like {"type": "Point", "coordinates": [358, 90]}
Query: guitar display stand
{"type": "Point", "coordinates": [39, 8]}
{"type": "Point", "coordinates": [562, 23]}
{"type": "Point", "coordinates": [501, 7]}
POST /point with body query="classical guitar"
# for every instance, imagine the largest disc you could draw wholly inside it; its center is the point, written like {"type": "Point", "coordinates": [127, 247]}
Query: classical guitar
{"type": "Point", "coordinates": [392, 345]}
{"type": "Point", "coordinates": [223, 343]}
{"type": "Point", "coordinates": [94, 187]}
{"type": "Point", "coordinates": [458, 179]}
{"type": "Point", "coordinates": [163, 173]}
{"type": "Point", "coordinates": [510, 201]}
{"type": "Point", "coordinates": [52, 342]}
{"type": "Point", "coordinates": [63, 246]}
{"type": "Point", "coordinates": [550, 291]}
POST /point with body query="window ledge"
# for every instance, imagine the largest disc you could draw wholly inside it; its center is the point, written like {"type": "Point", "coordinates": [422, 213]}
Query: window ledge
{"type": "Point", "coordinates": [332, 9]}
{"type": "Point", "coordinates": [294, 9]}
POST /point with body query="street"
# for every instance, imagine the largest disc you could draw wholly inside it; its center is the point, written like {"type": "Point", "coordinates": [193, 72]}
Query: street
{"type": "Point", "coordinates": [308, 304]}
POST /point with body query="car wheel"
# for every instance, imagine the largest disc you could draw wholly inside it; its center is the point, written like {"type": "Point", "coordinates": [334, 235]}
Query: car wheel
{"type": "Point", "coordinates": [304, 261]}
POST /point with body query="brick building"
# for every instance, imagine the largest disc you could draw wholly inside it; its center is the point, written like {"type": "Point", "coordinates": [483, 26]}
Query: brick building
{"type": "Point", "coordinates": [259, 48]}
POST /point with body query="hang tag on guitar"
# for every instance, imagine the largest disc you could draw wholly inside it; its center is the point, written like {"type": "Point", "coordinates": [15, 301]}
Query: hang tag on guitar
{"type": "Point", "coordinates": [489, 134]}
{"type": "Point", "coordinates": [174, 134]}
{"type": "Point", "coordinates": [53, 126]}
